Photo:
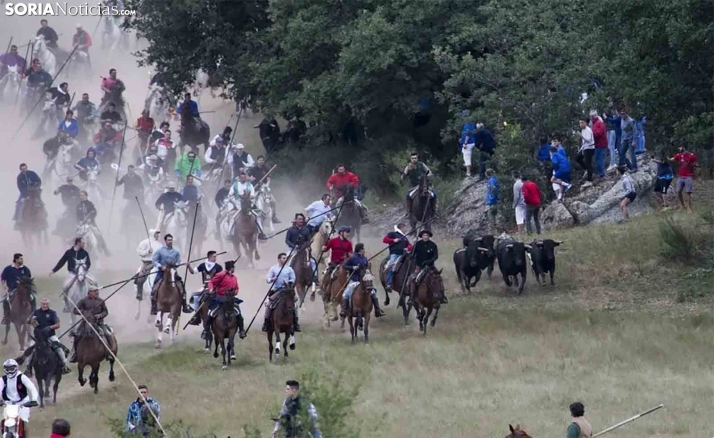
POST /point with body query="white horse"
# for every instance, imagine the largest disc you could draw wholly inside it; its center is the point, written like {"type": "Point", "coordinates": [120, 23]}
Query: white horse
{"type": "Point", "coordinates": [112, 33]}
{"type": "Point", "coordinates": [264, 203]}
{"type": "Point", "coordinates": [76, 286]}
{"type": "Point", "coordinates": [11, 84]}
{"type": "Point", "coordinates": [60, 166]}
{"type": "Point", "coordinates": [158, 104]}
{"type": "Point", "coordinates": [176, 224]}
{"type": "Point", "coordinates": [46, 57]}
{"type": "Point", "coordinates": [154, 186]}
{"type": "Point", "coordinates": [48, 117]}
{"type": "Point", "coordinates": [146, 292]}
{"type": "Point", "coordinates": [94, 191]}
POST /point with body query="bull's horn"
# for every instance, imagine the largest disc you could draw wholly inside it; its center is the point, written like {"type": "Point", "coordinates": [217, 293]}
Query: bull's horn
{"type": "Point", "coordinates": [482, 249]}
{"type": "Point", "coordinates": [478, 239]}
{"type": "Point", "coordinates": [539, 243]}
{"type": "Point", "coordinates": [559, 242]}
{"type": "Point", "coordinates": [528, 247]}
{"type": "Point", "coordinates": [509, 246]}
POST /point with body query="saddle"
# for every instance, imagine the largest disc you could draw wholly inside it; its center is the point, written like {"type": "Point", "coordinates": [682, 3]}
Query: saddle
{"type": "Point", "coordinates": [414, 190]}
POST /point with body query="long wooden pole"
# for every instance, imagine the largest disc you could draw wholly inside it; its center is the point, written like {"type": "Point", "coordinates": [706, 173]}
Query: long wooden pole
{"type": "Point", "coordinates": [629, 420]}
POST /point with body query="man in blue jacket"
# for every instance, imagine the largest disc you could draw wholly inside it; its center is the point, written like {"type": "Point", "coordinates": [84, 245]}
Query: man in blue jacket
{"type": "Point", "coordinates": [486, 144]}
{"type": "Point", "coordinates": [69, 125]}
{"type": "Point", "coordinates": [561, 172]}
{"type": "Point", "coordinates": [26, 180]}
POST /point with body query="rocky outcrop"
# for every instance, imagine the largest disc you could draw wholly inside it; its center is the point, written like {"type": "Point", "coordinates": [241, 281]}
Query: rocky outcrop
{"type": "Point", "coordinates": [556, 217]}
{"type": "Point", "coordinates": [469, 212]}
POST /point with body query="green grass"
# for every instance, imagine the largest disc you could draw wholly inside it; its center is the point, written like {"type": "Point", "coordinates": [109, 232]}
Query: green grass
{"type": "Point", "coordinates": [613, 333]}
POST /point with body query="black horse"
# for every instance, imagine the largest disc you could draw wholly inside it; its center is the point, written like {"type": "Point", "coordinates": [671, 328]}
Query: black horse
{"type": "Point", "coordinates": [194, 131]}
{"type": "Point", "coordinates": [423, 206]}
{"type": "Point", "coordinates": [349, 214]}
{"type": "Point", "coordinates": [46, 366]}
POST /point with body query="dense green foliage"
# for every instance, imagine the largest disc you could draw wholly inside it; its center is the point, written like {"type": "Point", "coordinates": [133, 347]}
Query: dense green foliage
{"type": "Point", "coordinates": [374, 76]}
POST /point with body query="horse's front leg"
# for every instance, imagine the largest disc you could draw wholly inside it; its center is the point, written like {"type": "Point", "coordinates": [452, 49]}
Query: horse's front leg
{"type": "Point", "coordinates": [277, 344]}
{"type": "Point", "coordinates": [41, 386]}
{"type": "Point", "coordinates": [223, 352]}
{"type": "Point", "coordinates": [80, 374]}
{"type": "Point", "coordinates": [111, 368]}
{"type": "Point", "coordinates": [159, 324]}
{"type": "Point", "coordinates": [7, 331]}
{"type": "Point", "coordinates": [55, 388]}
{"type": "Point", "coordinates": [436, 315]}
{"type": "Point", "coordinates": [94, 378]}
{"type": "Point", "coordinates": [285, 344]}
{"type": "Point", "coordinates": [21, 335]}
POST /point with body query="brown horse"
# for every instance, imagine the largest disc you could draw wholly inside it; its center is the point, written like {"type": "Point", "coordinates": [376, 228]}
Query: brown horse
{"type": "Point", "coordinates": [224, 326]}
{"type": "Point", "coordinates": [168, 301]}
{"type": "Point", "coordinates": [91, 352]}
{"type": "Point", "coordinates": [426, 298]}
{"type": "Point", "coordinates": [361, 307]}
{"type": "Point", "coordinates": [332, 293]}
{"type": "Point", "coordinates": [203, 314]}
{"type": "Point", "coordinates": [245, 232]}
{"type": "Point", "coordinates": [517, 432]}
{"type": "Point", "coordinates": [20, 310]}
{"type": "Point", "coordinates": [300, 262]}
{"type": "Point", "coordinates": [281, 321]}
{"type": "Point", "coordinates": [423, 206]}
{"type": "Point", "coordinates": [401, 275]}
{"type": "Point", "coordinates": [33, 219]}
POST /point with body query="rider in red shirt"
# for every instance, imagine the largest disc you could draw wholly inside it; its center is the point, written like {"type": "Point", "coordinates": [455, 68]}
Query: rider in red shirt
{"type": "Point", "coordinates": [340, 246]}
{"type": "Point", "coordinates": [339, 182]}
{"type": "Point", "coordinates": [220, 285]}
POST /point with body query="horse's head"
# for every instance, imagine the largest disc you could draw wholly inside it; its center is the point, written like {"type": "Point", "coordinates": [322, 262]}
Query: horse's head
{"type": "Point", "coordinates": [38, 45]}
{"type": "Point", "coordinates": [81, 269]}
{"type": "Point", "coordinates": [424, 185]}
{"type": "Point", "coordinates": [368, 281]}
{"type": "Point", "coordinates": [13, 74]}
{"type": "Point", "coordinates": [517, 432]}
{"type": "Point", "coordinates": [327, 227]}
{"type": "Point", "coordinates": [49, 104]}
{"type": "Point", "coordinates": [245, 204]}
{"type": "Point", "coordinates": [434, 282]}
{"type": "Point", "coordinates": [92, 177]}
{"type": "Point", "coordinates": [26, 283]}
{"type": "Point", "coordinates": [181, 210]}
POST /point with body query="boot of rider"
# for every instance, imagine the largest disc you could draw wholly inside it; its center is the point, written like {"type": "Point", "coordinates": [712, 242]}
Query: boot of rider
{"type": "Point", "coordinates": [409, 205]}
{"type": "Point", "coordinates": [266, 321]}
{"type": "Point", "coordinates": [296, 324]}
{"type": "Point", "coordinates": [378, 312]}
{"type": "Point", "coordinates": [241, 327]}
{"type": "Point", "coordinates": [275, 219]}
{"type": "Point", "coordinates": [75, 340]}
{"type": "Point", "coordinates": [63, 358]}
{"type": "Point", "coordinates": [186, 308]}
{"type": "Point", "coordinates": [6, 311]}
{"type": "Point", "coordinates": [261, 233]}
{"type": "Point", "coordinates": [345, 305]}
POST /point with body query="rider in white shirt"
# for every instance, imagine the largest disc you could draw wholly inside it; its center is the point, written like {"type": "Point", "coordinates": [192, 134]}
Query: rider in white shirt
{"type": "Point", "coordinates": [17, 388]}
{"type": "Point", "coordinates": [240, 188]}
{"type": "Point", "coordinates": [146, 250]}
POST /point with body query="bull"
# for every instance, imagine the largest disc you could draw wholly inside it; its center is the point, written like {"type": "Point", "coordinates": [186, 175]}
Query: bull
{"type": "Point", "coordinates": [543, 259]}
{"type": "Point", "coordinates": [478, 254]}
{"type": "Point", "coordinates": [512, 261]}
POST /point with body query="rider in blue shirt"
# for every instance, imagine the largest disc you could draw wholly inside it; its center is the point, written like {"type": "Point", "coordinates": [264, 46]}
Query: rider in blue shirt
{"type": "Point", "coordinates": [192, 106]}
{"type": "Point", "coordinates": [10, 276]}
{"type": "Point", "coordinates": [26, 180]}
{"type": "Point", "coordinates": [358, 263]}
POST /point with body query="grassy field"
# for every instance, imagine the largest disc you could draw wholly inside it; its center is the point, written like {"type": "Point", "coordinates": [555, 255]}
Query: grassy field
{"type": "Point", "coordinates": [625, 328]}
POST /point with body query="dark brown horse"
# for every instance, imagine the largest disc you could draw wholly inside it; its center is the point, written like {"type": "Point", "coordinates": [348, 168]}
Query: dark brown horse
{"type": "Point", "coordinates": [423, 206]}
{"type": "Point", "coordinates": [300, 262]}
{"type": "Point", "coordinates": [332, 293]}
{"type": "Point", "coordinates": [225, 325]}
{"type": "Point", "coordinates": [281, 321]}
{"type": "Point", "coordinates": [203, 314]}
{"type": "Point", "coordinates": [20, 310]}
{"type": "Point", "coordinates": [91, 352]}
{"type": "Point", "coordinates": [349, 214]}
{"type": "Point", "coordinates": [33, 219]}
{"type": "Point", "coordinates": [361, 307]}
{"type": "Point", "coordinates": [517, 432]}
{"type": "Point", "coordinates": [401, 275]}
{"type": "Point", "coordinates": [426, 298]}
{"type": "Point", "coordinates": [168, 302]}
{"type": "Point", "coordinates": [46, 365]}
{"type": "Point", "coordinates": [245, 231]}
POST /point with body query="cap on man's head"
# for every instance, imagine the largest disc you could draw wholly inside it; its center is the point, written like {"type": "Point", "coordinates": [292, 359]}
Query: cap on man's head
{"type": "Point", "coordinates": [240, 146]}
{"type": "Point", "coordinates": [70, 179]}
{"type": "Point", "coordinates": [93, 286]}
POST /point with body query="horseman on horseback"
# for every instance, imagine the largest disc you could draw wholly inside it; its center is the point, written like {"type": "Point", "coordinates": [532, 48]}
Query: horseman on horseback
{"type": "Point", "coordinates": [86, 112]}
{"type": "Point", "coordinates": [10, 277]}
{"type": "Point", "coordinates": [146, 250]}
{"type": "Point", "coordinates": [218, 287]}
{"type": "Point", "coordinates": [242, 188]}
{"type": "Point", "coordinates": [425, 254]}
{"type": "Point", "coordinates": [189, 105]}
{"type": "Point", "coordinates": [10, 60]}
{"type": "Point", "coordinates": [113, 89]}
{"type": "Point", "coordinates": [399, 246]}
{"type": "Point", "coordinates": [61, 97]}
{"type": "Point", "coordinates": [49, 35]}
{"type": "Point", "coordinates": [166, 202]}
{"type": "Point", "coordinates": [340, 182]}
{"type": "Point", "coordinates": [208, 270]}
{"type": "Point", "coordinates": [299, 236]}
{"type": "Point", "coordinates": [318, 212]}
{"type": "Point", "coordinates": [94, 309]}
{"type": "Point", "coordinates": [415, 171]}
{"type": "Point", "coordinates": [340, 249]}
{"type": "Point", "coordinates": [46, 320]}
{"type": "Point", "coordinates": [357, 264]}
{"type": "Point", "coordinates": [82, 41]}
{"type": "Point", "coordinates": [281, 277]}
{"type": "Point", "coordinates": [37, 81]}
{"type": "Point", "coordinates": [69, 125]}
{"type": "Point", "coordinates": [167, 256]}
{"type": "Point", "coordinates": [188, 165]}
{"type": "Point", "coordinates": [86, 215]}
{"type": "Point", "coordinates": [239, 159]}
{"type": "Point", "coordinates": [258, 175]}
{"type": "Point", "coordinates": [26, 181]}
{"type": "Point", "coordinates": [74, 257]}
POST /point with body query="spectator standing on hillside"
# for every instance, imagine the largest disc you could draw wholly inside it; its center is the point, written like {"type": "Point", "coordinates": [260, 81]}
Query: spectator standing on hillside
{"type": "Point", "coordinates": [628, 192]}
{"type": "Point", "coordinates": [641, 135]}
{"type": "Point", "coordinates": [519, 204]}
{"type": "Point", "coordinates": [486, 144]}
{"type": "Point", "coordinates": [665, 175]}
{"type": "Point", "coordinates": [492, 197]}
{"type": "Point", "coordinates": [561, 171]}
{"type": "Point", "coordinates": [531, 196]}
{"type": "Point", "coordinates": [586, 152]}
{"type": "Point", "coordinates": [614, 134]}
{"type": "Point", "coordinates": [579, 427]}
{"type": "Point", "coordinates": [467, 143]}
{"type": "Point", "coordinates": [687, 163]}
{"type": "Point", "coordinates": [600, 136]}
{"type": "Point", "coordinates": [60, 428]}
{"type": "Point", "coordinates": [629, 141]}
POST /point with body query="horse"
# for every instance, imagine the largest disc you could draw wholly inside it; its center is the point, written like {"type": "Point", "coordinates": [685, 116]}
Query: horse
{"type": "Point", "coordinates": [349, 213]}
{"type": "Point", "coordinates": [158, 104]}
{"type": "Point", "coordinates": [48, 118]}
{"type": "Point", "coordinates": [319, 240]}
{"type": "Point", "coordinates": [47, 366]}
{"type": "Point", "coordinates": [423, 206]}
{"type": "Point", "coordinates": [194, 132]}
{"type": "Point", "coordinates": [332, 290]}
{"type": "Point", "coordinates": [91, 352]}
{"type": "Point", "coordinates": [168, 301]}
{"type": "Point", "coordinates": [281, 321]}
{"type": "Point", "coordinates": [46, 57]}
{"type": "Point", "coordinates": [361, 307]}
{"type": "Point", "coordinates": [58, 168]}
{"type": "Point", "coordinates": [111, 36]}
{"type": "Point", "coordinates": [427, 299]}
{"type": "Point", "coordinates": [264, 203]}
{"type": "Point", "coordinates": [517, 432]}
{"type": "Point", "coordinates": [76, 287]}
{"type": "Point", "coordinates": [245, 232]}
{"type": "Point", "coordinates": [145, 292]}
{"type": "Point", "coordinates": [79, 62]}
{"type": "Point", "coordinates": [89, 233]}
{"type": "Point", "coordinates": [176, 223]}
{"type": "Point", "coordinates": [93, 189]}
{"type": "Point", "coordinates": [11, 84]}
{"type": "Point", "coordinates": [225, 325]}
{"type": "Point", "coordinates": [404, 268]}
{"type": "Point", "coordinates": [20, 310]}
{"type": "Point", "coordinates": [33, 219]}
{"type": "Point", "coordinates": [154, 185]}
{"type": "Point", "coordinates": [300, 262]}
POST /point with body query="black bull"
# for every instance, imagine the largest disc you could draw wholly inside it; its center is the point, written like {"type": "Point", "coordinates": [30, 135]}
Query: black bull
{"type": "Point", "coordinates": [511, 256]}
{"type": "Point", "coordinates": [543, 259]}
{"type": "Point", "coordinates": [478, 254]}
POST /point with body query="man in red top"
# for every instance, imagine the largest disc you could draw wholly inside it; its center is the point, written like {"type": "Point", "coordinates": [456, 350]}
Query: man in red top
{"type": "Point", "coordinates": [339, 183]}
{"type": "Point", "coordinates": [531, 195]}
{"type": "Point", "coordinates": [600, 137]}
{"type": "Point", "coordinates": [144, 126]}
{"type": "Point", "coordinates": [221, 285]}
{"type": "Point", "coordinates": [82, 41]}
{"type": "Point", "coordinates": [340, 249]}
{"type": "Point", "coordinates": [687, 163]}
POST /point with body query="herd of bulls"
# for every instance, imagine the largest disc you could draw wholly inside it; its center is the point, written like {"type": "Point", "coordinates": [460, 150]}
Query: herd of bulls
{"type": "Point", "coordinates": [481, 252]}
